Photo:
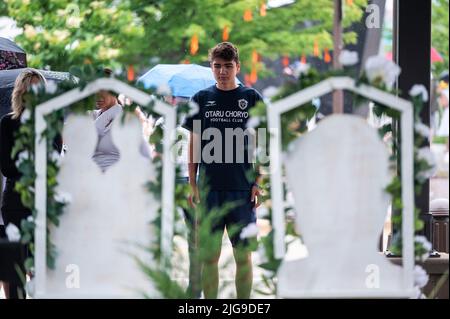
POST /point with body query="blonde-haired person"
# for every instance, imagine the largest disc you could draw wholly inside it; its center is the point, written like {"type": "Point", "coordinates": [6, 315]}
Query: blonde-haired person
{"type": "Point", "coordinates": [13, 211]}
{"type": "Point", "coordinates": [26, 79]}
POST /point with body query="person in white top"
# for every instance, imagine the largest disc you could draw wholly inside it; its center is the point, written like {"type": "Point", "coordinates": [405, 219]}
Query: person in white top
{"type": "Point", "coordinates": [106, 153]}
{"type": "Point", "coordinates": [109, 107]}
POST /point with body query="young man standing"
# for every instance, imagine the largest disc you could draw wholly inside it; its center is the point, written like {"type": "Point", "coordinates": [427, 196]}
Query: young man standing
{"type": "Point", "coordinates": [218, 133]}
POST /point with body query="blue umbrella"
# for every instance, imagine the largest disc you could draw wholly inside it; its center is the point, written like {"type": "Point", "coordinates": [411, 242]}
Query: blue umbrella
{"type": "Point", "coordinates": [184, 80]}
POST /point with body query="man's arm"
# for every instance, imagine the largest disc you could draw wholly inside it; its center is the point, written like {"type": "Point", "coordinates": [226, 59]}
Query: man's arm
{"type": "Point", "coordinates": [193, 161]}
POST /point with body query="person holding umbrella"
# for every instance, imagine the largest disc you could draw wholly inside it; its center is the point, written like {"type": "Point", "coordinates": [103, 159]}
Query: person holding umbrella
{"type": "Point", "coordinates": [12, 209]}
{"type": "Point", "coordinates": [223, 108]}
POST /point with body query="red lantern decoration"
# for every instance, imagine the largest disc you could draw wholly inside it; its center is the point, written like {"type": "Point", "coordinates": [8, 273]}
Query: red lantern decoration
{"type": "Point", "coordinates": [262, 10]}
{"type": "Point", "coordinates": [327, 56]}
{"type": "Point", "coordinates": [303, 59]}
{"type": "Point", "coordinates": [130, 73]}
{"type": "Point", "coordinates": [316, 51]}
{"type": "Point", "coordinates": [253, 75]}
{"type": "Point", "coordinates": [255, 56]}
{"type": "Point", "coordinates": [225, 33]}
{"type": "Point", "coordinates": [247, 80]}
{"type": "Point", "coordinates": [248, 15]}
{"type": "Point", "coordinates": [285, 61]}
{"type": "Point", "coordinates": [194, 44]}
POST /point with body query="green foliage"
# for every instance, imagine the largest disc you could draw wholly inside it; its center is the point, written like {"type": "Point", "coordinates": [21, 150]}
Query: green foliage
{"type": "Point", "coordinates": [162, 279]}
{"type": "Point", "coordinates": [140, 32]}
{"type": "Point", "coordinates": [439, 33]}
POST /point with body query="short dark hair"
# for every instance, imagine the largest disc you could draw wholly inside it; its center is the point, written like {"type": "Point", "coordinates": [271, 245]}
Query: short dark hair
{"type": "Point", "coordinates": [224, 50]}
{"type": "Point", "coordinates": [107, 72]}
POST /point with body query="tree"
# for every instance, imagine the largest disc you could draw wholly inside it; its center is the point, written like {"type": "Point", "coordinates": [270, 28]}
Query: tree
{"type": "Point", "coordinates": [439, 33]}
{"type": "Point", "coordinates": [61, 33]}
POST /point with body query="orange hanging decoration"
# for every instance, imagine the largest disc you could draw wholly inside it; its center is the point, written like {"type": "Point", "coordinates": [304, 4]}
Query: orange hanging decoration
{"type": "Point", "coordinates": [327, 56]}
{"type": "Point", "coordinates": [194, 44]}
{"type": "Point", "coordinates": [262, 10]}
{"type": "Point", "coordinates": [350, 2]}
{"type": "Point", "coordinates": [253, 75]}
{"type": "Point", "coordinates": [247, 80]}
{"type": "Point", "coordinates": [285, 61]}
{"type": "Point", "coordinates": [130, 73]}
{"type": "Point", "coordinates": [303, 59]}
{"type": "Point", "coordinates": [254, 56]}
{"type": "Point", "coordinates": [225, 33]}
{"type": "Point", "coordinates": [248, 15]}
{"type": "Point", "coordinates": [316, 51]}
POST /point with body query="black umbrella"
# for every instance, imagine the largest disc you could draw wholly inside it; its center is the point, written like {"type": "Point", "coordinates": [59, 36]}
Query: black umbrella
{"type": "Point", "coordinates": [11, 55]}
{"type": "Point", "coordinates": [8, 77]}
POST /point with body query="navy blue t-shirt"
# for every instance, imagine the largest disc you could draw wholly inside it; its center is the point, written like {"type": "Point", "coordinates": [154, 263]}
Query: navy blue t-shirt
{"type": "Point", "coordinates": [225, 142]}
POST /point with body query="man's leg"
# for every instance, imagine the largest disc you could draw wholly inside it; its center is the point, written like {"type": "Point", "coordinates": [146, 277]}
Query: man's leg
{"type": "Point", "coordinates": [244, 272]}
{"type": "Point", "coordinates": [243, 215]}
{"type": "Point", "coordinates": [210, 271]}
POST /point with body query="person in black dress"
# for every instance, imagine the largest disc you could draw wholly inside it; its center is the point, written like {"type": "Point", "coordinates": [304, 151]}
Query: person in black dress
{"type": "Point", "coordinates": [12, 209]}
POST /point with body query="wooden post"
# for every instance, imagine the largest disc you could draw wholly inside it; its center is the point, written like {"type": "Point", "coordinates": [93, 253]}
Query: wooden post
{"type": "Point", "coordinates": [412, 36]}
{"type": "Point", "coordinates": [338, 96]}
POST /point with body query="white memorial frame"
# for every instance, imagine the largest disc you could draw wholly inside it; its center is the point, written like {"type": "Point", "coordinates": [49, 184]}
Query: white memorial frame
{"type": "Point", "coordinates": [40, 201]}
{"type": "Point", "coordinates": [274, 112]}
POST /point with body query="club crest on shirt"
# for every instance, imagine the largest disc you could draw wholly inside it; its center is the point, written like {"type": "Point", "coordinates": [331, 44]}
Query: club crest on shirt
{"type": "Point", "coordinates": [210, 103]}
{"type": "Point", "coordinates": [242, 103]}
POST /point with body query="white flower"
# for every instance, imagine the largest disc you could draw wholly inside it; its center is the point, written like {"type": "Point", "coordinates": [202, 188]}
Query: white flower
{"type": "Point", "coordinates": [73, 22]}
{"type": "Point", "coordinates": [251, 230]}
{"type": "Point", "coordinates": [420, 276]}
{"type": "Point", "coordinates": [419, 89]}
{"type": "Point", "coordinates": [300, 68]}
{"type": "Point", "coordinates": [193, 108]}
{"type": "Point", "coordinates": [348, 58]}
{"type": "Point", "coordinates": [422, 129]}
{"type": "Point", "coordinates": [25, 116]}
{"type": "Point", "coordinates": [425, 154]}
{"type": "Point", "coordinates": [51, 87]}
{"type": "Point", "coordinates": [30, 219]}
{"type": "Point", "coordinates": [12, 232]}
{"type": "Point", "coordinates": [426, 245]}
{"type": "Point", "coordinates": [424, 241]}
{"type": "Point", "coordinates": [63, 197]}
{"type": "Point", "coordinates": [164, 90]}
{"type": "Point", "coordinates": [23, 156]}
{"type": "Point", "coordinates": [262, 254]}
{"type": "Point", "coordinates": [253, 122]}
{"type": "Point", "coordinates": [60, 35]}
{"type": "Point", "coordinates": [30, 32]}
{"type": "Point", "coordinates": [380, 68]}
